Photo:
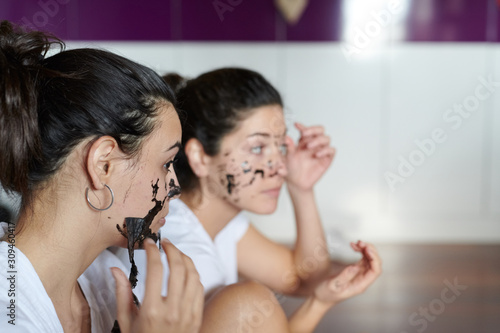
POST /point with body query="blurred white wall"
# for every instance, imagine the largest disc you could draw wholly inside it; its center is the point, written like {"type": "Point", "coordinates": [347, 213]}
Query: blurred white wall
{"type": "Point", "coordinates": [389, 182]}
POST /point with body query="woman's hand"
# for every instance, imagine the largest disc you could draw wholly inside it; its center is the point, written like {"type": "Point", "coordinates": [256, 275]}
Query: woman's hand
{"type": "Point", "coordinates": [352, 280]}
{"type": "Point", "coordinates": [308, 160]}
{"type": "Point", "coordinates": [180, 312]}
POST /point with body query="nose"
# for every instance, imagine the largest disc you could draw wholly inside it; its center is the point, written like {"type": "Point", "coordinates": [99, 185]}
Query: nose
{"type": "Point", "coordinates": [278, 164]}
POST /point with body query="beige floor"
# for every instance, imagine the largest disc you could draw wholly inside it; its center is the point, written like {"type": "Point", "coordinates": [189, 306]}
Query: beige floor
{"type": "Point", "coordinates": [413, 295]}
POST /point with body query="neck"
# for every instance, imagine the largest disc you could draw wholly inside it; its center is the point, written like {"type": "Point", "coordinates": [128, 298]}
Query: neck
{"type": "Point", "coordinates": [60, 242]}
{"type": "Point", "coordinates": [213, 212]}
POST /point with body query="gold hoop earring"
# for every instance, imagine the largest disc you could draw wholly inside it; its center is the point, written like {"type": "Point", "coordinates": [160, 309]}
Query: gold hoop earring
{"type": "Point", "coordinates": [100, 209]}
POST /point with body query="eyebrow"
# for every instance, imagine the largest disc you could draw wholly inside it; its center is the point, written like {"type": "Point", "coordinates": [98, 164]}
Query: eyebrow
{"type": "Point", "coordinates": [267, 135]}
{"type": "Point", "coordinates": [175, 145]}
{"type": "Point", "coordinates": [259, 134]}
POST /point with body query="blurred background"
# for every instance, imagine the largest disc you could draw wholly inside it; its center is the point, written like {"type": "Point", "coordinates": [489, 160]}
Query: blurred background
{"type": "Point", "coordinates": [409, 91]}
{"type": "Point", "coordinates": [406, 89]}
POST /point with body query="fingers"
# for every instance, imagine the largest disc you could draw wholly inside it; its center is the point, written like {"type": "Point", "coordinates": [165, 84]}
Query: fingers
{"type": "Point", "coordinates": [290, 145]}
{"type": "Point", "coordinates": [154, 274]}
{"type": "Point", "coordinates": [177, 274]}
{"type": "Point", "coordinates": [185, 292]}
{"type": "Point", "coordinates": [193, 298]}
{"type": "Point", "coordinates": [318, 141]}
{"type": "Point", "coordinates": [375, 260]}
{"type": "Point", "coordinates": [371, 262]}
{"type": "Point", "coordinates": [124, 302]}
{"type": "Point", "coordinates": [353, 279]}
{"type": "Point", "coordinates": [313, 138]}
{"type": "Point", "coordinates": [342, 280]}
{"type": "Point", "coordinates": [325, 152]}
{"type": "Point", "coordinates": [309, 131]}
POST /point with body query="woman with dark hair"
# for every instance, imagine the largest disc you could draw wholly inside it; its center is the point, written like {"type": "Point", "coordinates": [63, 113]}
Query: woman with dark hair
{"type": "Point", "coordinates": [236, 156]}
{"type": "Point", "coordinates": [87, 139]}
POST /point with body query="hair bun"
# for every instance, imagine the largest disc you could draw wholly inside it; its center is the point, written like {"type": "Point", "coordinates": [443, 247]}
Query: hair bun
{"type": "Point", "coordinates": [175, 81]}
{"type": "Point", "coordinates": [24, 48]}
{"type": "Point", "coordinates": [21, 53]}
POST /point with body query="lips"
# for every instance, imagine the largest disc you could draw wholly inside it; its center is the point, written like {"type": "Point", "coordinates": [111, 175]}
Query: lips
{"type": "Point", "coordinates": [274, 192]}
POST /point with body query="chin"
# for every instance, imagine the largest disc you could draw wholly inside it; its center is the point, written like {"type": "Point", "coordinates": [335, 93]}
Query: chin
{"type": "Point", "coordinates": [264, 209]}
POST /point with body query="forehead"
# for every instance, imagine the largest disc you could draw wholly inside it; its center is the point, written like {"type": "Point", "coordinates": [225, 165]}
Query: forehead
{"type": "Point", "coordinates": [169, 119]}
{"type": "Point", "coordinates": [267, 119]}
{"type": "Point", "coordinates": [168, 128]}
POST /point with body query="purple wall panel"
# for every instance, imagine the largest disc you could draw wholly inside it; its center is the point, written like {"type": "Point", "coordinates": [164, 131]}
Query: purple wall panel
{"type": "Point", "coordinates": [124, 20]}
{"type": "Point", "coordinates": [241, 20]}
{"type": "Point", "coordinates": [48, 16]}
{"type": "Point", "coordinates": [448, 20]}
{"type": "Point", "coordinates": [228, 20]}
{"type": "Point", "coordinates": [321, 21]}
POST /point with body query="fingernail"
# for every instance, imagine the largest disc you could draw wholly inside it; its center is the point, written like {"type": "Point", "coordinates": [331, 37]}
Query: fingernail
{"type": "Point", "coordinates": [149, 241]}
{"type": "Point", "coordinates": [166, 241]}
{"type": "Point", "coordinates": [114, 271]}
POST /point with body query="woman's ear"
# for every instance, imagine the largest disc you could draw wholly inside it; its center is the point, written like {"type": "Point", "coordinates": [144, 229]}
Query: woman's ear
{"type": "Point", "coordinates": [101, 160]}
{"type": "Point", "coordinates": [197, 158]}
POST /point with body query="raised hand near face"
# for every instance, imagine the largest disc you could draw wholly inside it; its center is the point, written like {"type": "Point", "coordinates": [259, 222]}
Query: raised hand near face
{"type": "Point", "coordinates": [310, 158]}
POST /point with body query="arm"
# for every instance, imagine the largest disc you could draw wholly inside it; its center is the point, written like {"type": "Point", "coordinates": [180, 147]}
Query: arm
{"type": "Point", "coordinates": [310, 253]}
{"type": "Point", "coordinates": [306, 164]}
{"type": "Point", "coordinates": [263, 260]}
{"type": "Point", "coordinates": [352, 281]}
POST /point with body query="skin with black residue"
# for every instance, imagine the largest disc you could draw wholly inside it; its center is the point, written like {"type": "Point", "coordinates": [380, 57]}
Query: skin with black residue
{"type": "Point", "coordinates": [273, 174]}
{"type": "Point", "coordinates": [138, 229]}
{"type": "Point", "coordinates": [174, 189]}
{"type": "Point", "coordinates": [230, 183]}
{"type": "Point", "coordinates": [231, 173]}
{"type": "Point", "coordinates": [254, 175]}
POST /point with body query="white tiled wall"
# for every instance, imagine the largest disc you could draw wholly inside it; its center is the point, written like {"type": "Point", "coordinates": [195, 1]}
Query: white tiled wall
{"type": "Point", "coordinates": [494, 127]}
{"type": "Point", "coordinates": [375, 107]}
{"type": "Point", "coordinates": [425, 81]}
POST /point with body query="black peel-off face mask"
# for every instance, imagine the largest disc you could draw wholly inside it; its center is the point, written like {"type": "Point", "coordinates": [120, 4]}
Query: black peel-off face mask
{"type": "Point", "coordinates": [136, 229]}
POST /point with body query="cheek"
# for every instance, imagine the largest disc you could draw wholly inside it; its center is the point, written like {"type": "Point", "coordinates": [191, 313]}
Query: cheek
{"type": "Point", "coordinates": [237, 176]}
{"type": "Point", "coordinates": [137, 197]}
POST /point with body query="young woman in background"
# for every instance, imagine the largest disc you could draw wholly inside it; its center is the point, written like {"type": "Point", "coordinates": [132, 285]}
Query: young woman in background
{"type": "Point", "coordinates": [236, 157]}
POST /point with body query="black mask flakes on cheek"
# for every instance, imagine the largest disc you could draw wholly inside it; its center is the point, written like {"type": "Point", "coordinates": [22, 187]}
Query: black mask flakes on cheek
{"type": "Point", "coordinates": [136, 230]}
{"type": "Point", "coordinates": [230, 184]}
{"type": "Point", "coordinates": [259, 171]}
{"type": "Point", "coordinates": [155, 188]}
{"type": "Point", "coordinates": [173, 189]}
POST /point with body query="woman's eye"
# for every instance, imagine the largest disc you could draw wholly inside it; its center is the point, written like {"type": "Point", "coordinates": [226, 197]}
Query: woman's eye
{"type": "Point", "coordinates": [257, 150]}
{"type": "Point", "coordinates": [169, 164]}
{"type": "Point", "coordinates": [283, 149]}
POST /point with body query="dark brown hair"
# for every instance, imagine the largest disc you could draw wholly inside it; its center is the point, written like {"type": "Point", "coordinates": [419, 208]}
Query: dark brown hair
{"type": "Point", "coordinates": [212, 105]}
{"type": "Point", "coordinates": [49, 105]}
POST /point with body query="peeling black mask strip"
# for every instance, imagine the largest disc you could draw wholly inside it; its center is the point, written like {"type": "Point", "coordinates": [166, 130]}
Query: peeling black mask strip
{"type": "Point", "coordinates": [138, 229]}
